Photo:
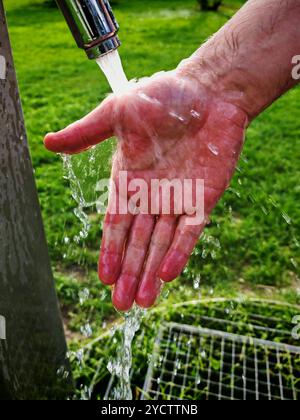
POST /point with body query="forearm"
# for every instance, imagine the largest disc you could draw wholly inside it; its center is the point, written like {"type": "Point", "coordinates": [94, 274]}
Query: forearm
{"type": "Point", "coordinates": [249, 61]}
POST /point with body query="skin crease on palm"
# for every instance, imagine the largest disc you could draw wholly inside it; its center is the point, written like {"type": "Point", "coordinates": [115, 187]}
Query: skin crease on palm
{"type": "Point", "coordinates": [185, 124]}
{"type": "Point", "coordinates": [168, 127]}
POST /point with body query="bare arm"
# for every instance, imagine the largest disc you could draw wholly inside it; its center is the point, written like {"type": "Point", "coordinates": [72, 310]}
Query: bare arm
{"type": "Point", "coordinates": [249, 61]}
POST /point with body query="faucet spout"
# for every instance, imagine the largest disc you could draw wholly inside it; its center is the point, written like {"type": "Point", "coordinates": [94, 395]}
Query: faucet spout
{"type": "Point", "coordinates": [92, 24]}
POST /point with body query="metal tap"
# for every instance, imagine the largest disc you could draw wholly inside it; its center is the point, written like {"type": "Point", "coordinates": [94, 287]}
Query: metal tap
{"type": "Point", "coordinates": [92, 24]}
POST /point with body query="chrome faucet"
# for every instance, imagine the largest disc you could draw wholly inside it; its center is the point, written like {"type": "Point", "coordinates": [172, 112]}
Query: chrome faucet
{"type": "Point", "coordinates": [92, 24]}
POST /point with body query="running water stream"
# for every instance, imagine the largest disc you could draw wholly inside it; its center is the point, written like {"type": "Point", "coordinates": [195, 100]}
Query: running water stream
{"type": "Point", "coordinates": [79, 173]}
{"type": "Point", "coordinates": [121, 365]}
{"type": "Point", "coordinates": [112, 67]}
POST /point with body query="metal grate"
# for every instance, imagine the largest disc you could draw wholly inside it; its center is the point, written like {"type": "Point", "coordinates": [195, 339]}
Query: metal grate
{"type": "Point", "coordinates": [204, 364]}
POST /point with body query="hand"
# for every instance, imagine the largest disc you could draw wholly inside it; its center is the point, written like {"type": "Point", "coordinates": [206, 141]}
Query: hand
{"type": "Point", "coordinates": [168, 127]}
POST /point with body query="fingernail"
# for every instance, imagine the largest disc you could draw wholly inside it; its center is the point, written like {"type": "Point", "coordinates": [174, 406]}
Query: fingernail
{"type": "Point", "coordinates": [148, 291]}
{"type": "Point", "coordinates": [173, 266]}
{"type": "Point", "coordinates": [109, 268]}
{"type": "Point", "coordinates": [124, 292]}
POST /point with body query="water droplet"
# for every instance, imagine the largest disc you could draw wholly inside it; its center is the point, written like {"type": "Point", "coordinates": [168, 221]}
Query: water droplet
{"type": "Point", "coordinates": [165, 293]}
{"type": "Point", "coordinates": [86, 393]}
{"type": "Point", "coordinates": [287, 218]}
{"type": "Point", "coordinates": [234, 191]}
{"type": "Point", "coordinates": [104, 295]}
{"type": "Point", "coordinates": [177, 116]}
{"type": "Point", "coordinates": [158, 380]}
{"type": "Point", "coordinates": [66, 240]}
{"type": "Point", "coordinates": [186, 271]}
{"type": "Point", "coordinates": [195, 114]}
{"type": "Point", "coordinates": [178, 364]}
{"type": "Point", "coordinates": [83, 295]}
{"type": "Point", "coordinates": [203, 354]}
{"type": "Point", "coordinates": [60, 371]}
{"type": "Point", "coordinates": [204, 253]}
{"type": "Point", "coordinates": [196, 283]}
{"type": "Point", "coordinates": [198, 379]}
{"type": "Point", "coordinates": [86, 330]}
{"type": "Point", "coordinates": [214, 149]}
{"type": "Point", "coordinates": [80, 356]}
{"type": "Point", "coordinates": [147, 98]}
{"type": "Point", "coordinates": [264, 210]}
{"type": "Point", "coordinates": [213, 254]}
{"type": "Point", "coordinates": [296, 242]}
{"type": "Point", "coordinates": [196, 251]}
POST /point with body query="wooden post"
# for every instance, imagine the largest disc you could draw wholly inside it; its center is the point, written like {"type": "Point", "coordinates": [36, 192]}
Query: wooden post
{"type": "Point", "coordinates": [32, 343]}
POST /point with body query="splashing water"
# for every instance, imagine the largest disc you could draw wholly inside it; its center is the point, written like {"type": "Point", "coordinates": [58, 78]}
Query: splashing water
{"type": "Point", "coordinates": [83, 295]}
{"type": "Point", "coordinates": [121, 366]}
{"type": "Point", "coordinates": [78, 196]}
{"type": "Point", "coordinates": [84, 171]}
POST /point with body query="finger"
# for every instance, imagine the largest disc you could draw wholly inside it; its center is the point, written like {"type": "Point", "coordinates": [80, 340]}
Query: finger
{"type": "Point", "coordinates": [185, 239]}
{"type": "Point", "coordinates": [149, 290]}
{"type": "Point", "coordinates": [81, 135]}
{"type": "Point", "coordinates": [115, 232]}
{"type": "Point", "coordinates": [150, 284]}
{"type": "Point", "coordinates": [137, 248]}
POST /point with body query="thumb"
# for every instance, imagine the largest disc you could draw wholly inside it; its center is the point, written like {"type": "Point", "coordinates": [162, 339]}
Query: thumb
{"type": "Point", "coordinates": [81, 135]}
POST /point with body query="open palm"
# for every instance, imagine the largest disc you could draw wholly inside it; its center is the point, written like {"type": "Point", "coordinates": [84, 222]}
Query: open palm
{"type": "Point", "coordinates": [169, 127]}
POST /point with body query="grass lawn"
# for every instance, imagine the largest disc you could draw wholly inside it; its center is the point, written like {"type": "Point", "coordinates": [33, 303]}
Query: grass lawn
{"type": "Point", "coordinates": [252, 244]}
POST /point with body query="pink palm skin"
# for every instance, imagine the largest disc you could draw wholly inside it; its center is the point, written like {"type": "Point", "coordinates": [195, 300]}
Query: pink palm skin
{"type": "Point", "coordinates": [168, 127]}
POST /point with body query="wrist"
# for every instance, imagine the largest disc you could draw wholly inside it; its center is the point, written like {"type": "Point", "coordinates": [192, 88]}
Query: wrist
{"type": "Point", "coordinates": [232, 84]}
{"type": "Point", "coordinates": [249, 62]}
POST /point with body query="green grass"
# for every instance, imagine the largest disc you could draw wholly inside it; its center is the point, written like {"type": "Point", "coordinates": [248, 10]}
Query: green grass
{"type": "Point", "coordinates": [253, 241]}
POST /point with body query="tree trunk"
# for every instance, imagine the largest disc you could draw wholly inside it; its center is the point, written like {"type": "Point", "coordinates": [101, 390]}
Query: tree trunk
{"type": "Point", "coordinates": [32, 342]}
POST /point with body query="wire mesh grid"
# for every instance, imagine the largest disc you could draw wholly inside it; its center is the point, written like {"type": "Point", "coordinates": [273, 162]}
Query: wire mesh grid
{"type": "Point", "coordinates": [204, 364]}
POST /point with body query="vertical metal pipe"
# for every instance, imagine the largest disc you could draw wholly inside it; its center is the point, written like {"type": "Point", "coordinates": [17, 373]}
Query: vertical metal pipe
{"type": "Point", "coordinates": [32, 342]}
